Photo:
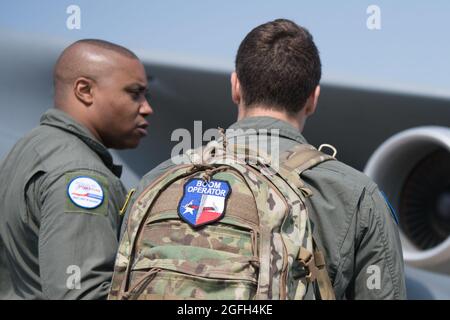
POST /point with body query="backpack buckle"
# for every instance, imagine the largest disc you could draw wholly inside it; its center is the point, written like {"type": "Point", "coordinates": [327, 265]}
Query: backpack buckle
{"type": "Point", "coordinates": [325, 145]}
{"type": "Point", "coordinates": [306, 260]}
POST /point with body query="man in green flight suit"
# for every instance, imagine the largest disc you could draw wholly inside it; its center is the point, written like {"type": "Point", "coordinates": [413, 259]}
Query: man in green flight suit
{"type": "Point", "coordinates": [61, 192]}
{"type": "Point", "coordinates": [276, 88]}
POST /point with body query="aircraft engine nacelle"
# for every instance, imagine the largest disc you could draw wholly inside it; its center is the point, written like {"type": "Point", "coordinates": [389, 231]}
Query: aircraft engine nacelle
{"type": "Point", "coordinates": [413, 170]}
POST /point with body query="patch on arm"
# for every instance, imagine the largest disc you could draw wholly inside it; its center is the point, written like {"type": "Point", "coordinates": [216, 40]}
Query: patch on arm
{"type": "Point", "coordinates": [391, 208]}
{"type": "Point", "coordinates": [86, 192]}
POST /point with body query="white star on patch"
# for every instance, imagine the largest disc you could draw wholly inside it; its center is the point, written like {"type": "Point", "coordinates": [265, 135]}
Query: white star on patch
{"type": "Point", "coordinates": [188, 209]}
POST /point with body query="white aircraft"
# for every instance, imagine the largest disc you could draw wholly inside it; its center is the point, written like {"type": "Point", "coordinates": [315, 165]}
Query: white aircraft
{"type": "Point", "coordinates": [401, 137]}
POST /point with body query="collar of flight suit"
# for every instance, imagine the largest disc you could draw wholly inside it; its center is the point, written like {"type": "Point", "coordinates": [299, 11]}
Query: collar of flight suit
{"type": "Point", "coordinates": [286, 130]}
{"type": "Point", "coordinates": [61, 120]}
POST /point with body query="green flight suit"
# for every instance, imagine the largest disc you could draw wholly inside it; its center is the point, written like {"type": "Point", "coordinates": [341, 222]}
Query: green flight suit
{"type": "Point", "coordinates": [53, 245]}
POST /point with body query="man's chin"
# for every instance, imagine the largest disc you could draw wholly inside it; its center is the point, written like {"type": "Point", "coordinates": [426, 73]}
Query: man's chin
{"type": "Point", "coordinates": [129, 144]}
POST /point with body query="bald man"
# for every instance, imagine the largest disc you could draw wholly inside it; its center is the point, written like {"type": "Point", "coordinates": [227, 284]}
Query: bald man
{"type": "Point", "coordinates": [61, 192]}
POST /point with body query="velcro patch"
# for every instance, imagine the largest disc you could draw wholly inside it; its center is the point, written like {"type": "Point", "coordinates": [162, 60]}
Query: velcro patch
{"type": "Point", "coordinates": [203, 202]}
{"type": "Point", "coordinates": [86, 193]}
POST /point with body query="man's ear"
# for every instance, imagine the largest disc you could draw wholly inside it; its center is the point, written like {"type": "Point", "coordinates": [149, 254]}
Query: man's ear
{"type": "Point", "coordinates": [235, 88]}
{"type": "Point", "coordinates": [313, 99]}
{"type": "Point", "coordinates": [83, 90]}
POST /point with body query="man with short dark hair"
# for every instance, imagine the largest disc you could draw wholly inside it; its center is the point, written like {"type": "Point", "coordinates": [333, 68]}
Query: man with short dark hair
{"type": "Point", "coordinates": [279, 66]}
{"type": "Point", "coordinates": [60, 223]}
{"type": "Point", "coordinates": [276, 88]}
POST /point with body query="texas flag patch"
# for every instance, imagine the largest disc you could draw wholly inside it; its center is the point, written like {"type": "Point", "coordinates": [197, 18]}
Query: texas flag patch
{"type": "Point", "coordinates": [203, 202]}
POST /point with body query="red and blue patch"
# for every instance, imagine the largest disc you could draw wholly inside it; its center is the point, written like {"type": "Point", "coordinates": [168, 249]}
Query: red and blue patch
{"type": "Point", "coordinates": [203, 202]}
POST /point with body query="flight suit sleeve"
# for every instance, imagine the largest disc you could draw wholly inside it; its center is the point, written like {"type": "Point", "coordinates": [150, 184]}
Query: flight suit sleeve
{"type": "Point", "coordinates": [379, 266]}
{"type": "Point", "coordinates": [78, 235]}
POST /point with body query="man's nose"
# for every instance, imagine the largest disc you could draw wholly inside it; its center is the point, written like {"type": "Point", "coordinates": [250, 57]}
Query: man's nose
{"type": "Point", "coordinates": [145, 109]}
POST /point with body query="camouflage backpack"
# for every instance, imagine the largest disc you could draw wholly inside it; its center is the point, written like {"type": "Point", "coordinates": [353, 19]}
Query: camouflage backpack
{"type": "Point", "coordinates": [223, 228]}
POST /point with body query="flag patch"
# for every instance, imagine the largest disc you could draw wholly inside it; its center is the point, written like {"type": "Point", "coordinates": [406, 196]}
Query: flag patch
{"type": "Point", "coordinates": [203, 202]}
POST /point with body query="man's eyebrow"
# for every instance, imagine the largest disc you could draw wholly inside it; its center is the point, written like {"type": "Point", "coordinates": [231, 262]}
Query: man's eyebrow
{"type": "Point", "coordinates": [137, 87]}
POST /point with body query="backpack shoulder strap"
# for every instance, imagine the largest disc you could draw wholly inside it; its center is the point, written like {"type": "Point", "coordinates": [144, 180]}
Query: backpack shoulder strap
{"type": "Point", "coordinates": [293, 163]}
{"type": "Point", "coordinates": [323, 279]}
{"type": "Point", "coordinates": [302, 157]}
{"type": "Point", "coordinates": [298, 159]}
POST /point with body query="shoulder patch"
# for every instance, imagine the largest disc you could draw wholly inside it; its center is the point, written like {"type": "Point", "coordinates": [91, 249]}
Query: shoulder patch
{"type": "Point", "coordinates": [87, 193]}
{"type": "Point", "coordinates": [393, 213]}
{"type": "Point", "coordinates": [203, 202]}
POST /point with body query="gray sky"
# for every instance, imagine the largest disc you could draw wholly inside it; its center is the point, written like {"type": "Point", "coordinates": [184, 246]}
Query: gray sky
{"type": "Point", "coordinates": [412, 49]}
